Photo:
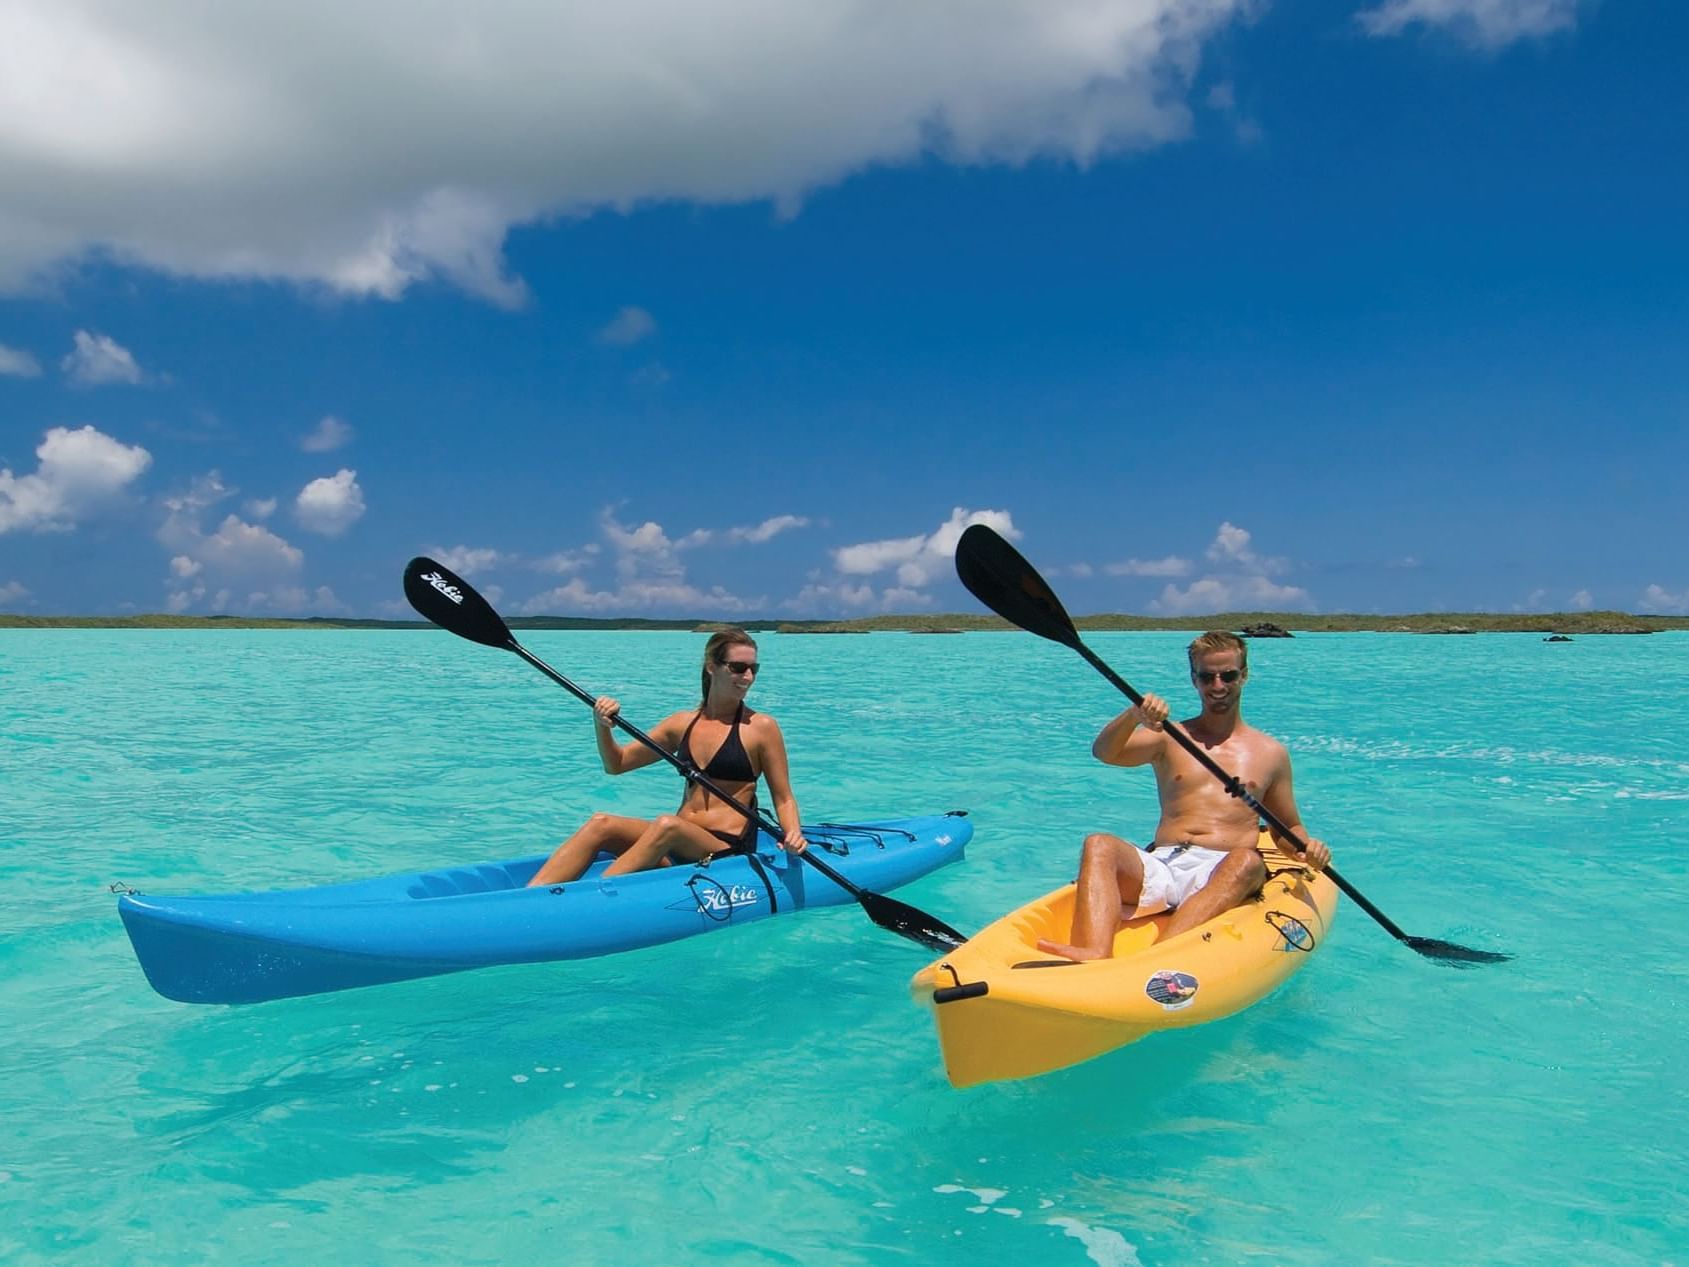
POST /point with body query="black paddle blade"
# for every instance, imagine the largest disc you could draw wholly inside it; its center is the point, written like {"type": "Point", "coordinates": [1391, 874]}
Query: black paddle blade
{"type": "Point", "coordinates": [452, 603]}
{"type": "Point", "coordinates": [997, 575]}
{"type": "Point", "coordinates": [1453, 955]}
{"type": "Point", "coordinates": [904, 920]}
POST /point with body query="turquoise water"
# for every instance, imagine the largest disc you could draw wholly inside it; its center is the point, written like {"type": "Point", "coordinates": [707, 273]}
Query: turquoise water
{"type": "Point", "coordinates": [770, 1094]}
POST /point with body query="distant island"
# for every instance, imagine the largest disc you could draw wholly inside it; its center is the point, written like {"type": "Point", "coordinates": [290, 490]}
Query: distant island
{"type": "Point", "coordinates": [1290, 623]}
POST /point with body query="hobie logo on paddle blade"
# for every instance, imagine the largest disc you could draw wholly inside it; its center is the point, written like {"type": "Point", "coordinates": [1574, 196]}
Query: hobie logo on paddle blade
{"type": "Point", "coordinates": [445, 587]}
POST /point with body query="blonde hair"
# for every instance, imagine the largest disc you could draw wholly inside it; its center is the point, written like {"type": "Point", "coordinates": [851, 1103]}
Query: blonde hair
{"type": "Point", "coordinates": [1219, 640]}
{"type": "Point", "coordinates": [715, 652]}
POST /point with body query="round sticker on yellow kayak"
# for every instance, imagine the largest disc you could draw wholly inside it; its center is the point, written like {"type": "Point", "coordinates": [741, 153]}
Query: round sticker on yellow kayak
{"type": "Point", "coordinates": [1173, 990]}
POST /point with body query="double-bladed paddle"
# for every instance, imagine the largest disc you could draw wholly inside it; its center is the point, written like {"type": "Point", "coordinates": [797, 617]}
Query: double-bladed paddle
{"type": "Point", "coordinates": [453, 604]}
{"type": "Point", "coordinates": [996, 574]}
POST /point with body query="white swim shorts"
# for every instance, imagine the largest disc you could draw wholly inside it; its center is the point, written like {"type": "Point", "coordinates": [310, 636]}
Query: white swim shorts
{"type": "Point", "coordinates": [1172, 873]}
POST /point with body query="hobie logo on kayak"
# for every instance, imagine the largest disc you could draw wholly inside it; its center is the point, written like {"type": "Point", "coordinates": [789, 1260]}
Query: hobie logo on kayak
{"type": "Point", "coordinates": [726, 899]}
{"type": "Point", "coordinates": [445, 587]}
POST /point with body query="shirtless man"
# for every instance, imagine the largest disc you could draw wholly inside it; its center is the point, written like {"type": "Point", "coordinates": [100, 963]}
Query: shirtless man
{"type": "Point", "coordinates": [1204, 859]}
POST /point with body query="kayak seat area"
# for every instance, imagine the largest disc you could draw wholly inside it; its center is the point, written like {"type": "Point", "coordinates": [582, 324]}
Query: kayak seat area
{"type": "Point", "coordinates": [460, 880]}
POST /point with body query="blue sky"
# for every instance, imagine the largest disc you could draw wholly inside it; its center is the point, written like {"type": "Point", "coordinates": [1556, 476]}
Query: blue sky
{"type": "Point", "coordinates": [746, 308]}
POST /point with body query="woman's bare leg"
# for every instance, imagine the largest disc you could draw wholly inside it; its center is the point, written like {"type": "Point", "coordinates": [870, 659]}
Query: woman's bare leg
{"type": "Point", "coordinates": [668, 834]}
{"type": "Point", "coordinates": [1111, 880]}
{"type": "Point", "coordinates": [613, 832]}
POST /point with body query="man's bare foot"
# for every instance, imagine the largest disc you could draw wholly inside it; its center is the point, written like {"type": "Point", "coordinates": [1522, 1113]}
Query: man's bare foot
{"type": "Point", "coordinates": [1079, 954]}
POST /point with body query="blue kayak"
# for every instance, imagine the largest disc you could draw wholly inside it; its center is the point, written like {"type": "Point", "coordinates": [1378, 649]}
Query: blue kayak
{"type": "Point", "coordinates": [249, 947]}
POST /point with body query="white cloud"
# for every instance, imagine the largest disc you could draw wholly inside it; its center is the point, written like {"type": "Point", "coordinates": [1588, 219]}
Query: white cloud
{"type": "Point", "coordinates": [1240, 582]}
{"type": "Point", "coordinates": [1222, 99]}
{"type": "Point", "coordinates": [210, 568]}
{"type": "Point", "coordinates": [11, 592]}
{"type": "Point", "coordinates": [206, 491]}
{"type": "Point", "coordinates": [95, 359]}
{"type": "Point", "coordinates": [237, 550]}
{"type": "Point", "coordinates": [649, 578]}
{"type": "Point", "coordinates": [820, 598]}
{"type": "Point", "coordinates": [1231, 548]}
{"type": "Point", "coordinates": [920, 560]}
{"type": "Point", "coordinates": [1488, 24]}
{"type": "Point", "coordinates": [1583, 600]}
{"type": "Point", "coordinates": [372, 146]}
{"type": "Point", "coordinates": [80, 472]}
{"type": "Point", "coordinates": [1170, 566]}
{"type": "Point", "coordinates": [573, 597]}
{"type": "Point", "coordinates": [260, 507]}
{"type": "Point", "coordinates": [1659, 600]}
{"type": "Point", "coordinates": [1237, 593]}
{"type": "Point", "coordinates": [914, 562]}
{"type": "Point", "coordinates": [296, 600]}
{"type": "Point", "coordinates": [640, 595]}
{"type": "Point", "coordinates": [329, 434]}
{"type": "Point", "coordinates": [465, 560]}
{"type": "Point", "coordinates": [628, 327]}
{"type": "Point", "coordinates": [16, 363]}
{"type": "Point", "coordinates": [330, 505]}
{"type": "Point", "coordinates": [753, 534]}
{"type": "Point", "coordinates": [899, 599]}
{"type": "Point", "coordinates": [768, 529]}
{"type": "Point", "coordinates": [646, 548]}
{"type": "Point", "coordinates": [565, 562]}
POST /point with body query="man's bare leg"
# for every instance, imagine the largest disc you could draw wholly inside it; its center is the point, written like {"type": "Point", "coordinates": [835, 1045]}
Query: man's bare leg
{"type": "Point", "coordinates": [1111, 879]}
{"type": "Point", "coordinates": [1237, 879]}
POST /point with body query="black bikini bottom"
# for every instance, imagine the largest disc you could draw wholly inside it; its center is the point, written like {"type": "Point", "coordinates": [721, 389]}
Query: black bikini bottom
{"type": "Point", "coordinates": [740, 842]}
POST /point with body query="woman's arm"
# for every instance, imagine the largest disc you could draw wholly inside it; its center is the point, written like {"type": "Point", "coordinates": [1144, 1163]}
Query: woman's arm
{"type": "Point", "coordinates": [772, 748]}
{"type": "Point", "coordinates": [619, 758]}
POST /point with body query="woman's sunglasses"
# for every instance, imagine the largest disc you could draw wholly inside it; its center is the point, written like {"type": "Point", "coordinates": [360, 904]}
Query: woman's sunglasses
{"type": "Point", "coordinates": [741, 666]}
{"type": "Point", "coordinates": [1205, 676]}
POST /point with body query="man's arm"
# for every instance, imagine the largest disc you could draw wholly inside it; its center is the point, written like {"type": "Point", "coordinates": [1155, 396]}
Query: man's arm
{"type": "Point", "coordinates": [1135, 737]}
{"type": "Point", "coordinates": [1280, 800]}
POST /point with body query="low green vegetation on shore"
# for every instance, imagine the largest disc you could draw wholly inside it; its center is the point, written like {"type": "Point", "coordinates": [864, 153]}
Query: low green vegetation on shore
{"type": "Point", "coordinates": [1570, 623]}
{"type": "Point", "coordinates": [1292, 622]}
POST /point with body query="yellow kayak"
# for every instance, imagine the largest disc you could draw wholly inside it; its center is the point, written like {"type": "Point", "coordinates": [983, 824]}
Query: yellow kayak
{"type": "Point", "coordinates": [1005, 1009]}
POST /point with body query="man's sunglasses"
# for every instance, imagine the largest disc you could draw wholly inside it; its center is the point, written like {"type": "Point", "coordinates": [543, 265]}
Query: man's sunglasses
{"type": "Point", "coordinates": [1205, 676]}
{"type": "Point", "coordinates": [741, 666]}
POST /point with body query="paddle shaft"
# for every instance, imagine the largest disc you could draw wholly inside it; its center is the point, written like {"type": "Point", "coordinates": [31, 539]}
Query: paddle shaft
{"type": "Point", "coordinates": [1236, 788]}
{"type": "Point", "coordinates": [691, 772]}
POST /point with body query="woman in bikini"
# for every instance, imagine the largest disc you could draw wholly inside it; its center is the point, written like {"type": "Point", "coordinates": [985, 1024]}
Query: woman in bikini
{"type": "Point", "coordinates": [730, 744]}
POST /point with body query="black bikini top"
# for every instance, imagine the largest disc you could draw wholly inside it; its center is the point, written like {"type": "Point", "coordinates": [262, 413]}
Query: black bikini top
{"type": "Point", "coordinates": [731, 763]}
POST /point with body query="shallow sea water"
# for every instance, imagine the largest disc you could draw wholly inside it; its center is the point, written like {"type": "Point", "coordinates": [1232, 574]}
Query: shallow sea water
{"type": "Point", "coordinates": [770, 1094]}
